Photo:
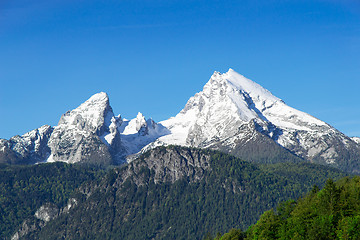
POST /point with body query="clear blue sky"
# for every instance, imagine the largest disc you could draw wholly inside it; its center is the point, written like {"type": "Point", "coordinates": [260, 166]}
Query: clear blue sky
{"type": "Point", "coordinates": [151, 56]}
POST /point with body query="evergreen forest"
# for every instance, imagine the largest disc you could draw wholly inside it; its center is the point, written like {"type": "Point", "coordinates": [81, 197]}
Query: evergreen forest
{"type": "Point", "coordinates": [330, 213]}
{"type": "Point", "coordinates": [23, 189]}
{"type": "Point", "coordinates": [229, 196]}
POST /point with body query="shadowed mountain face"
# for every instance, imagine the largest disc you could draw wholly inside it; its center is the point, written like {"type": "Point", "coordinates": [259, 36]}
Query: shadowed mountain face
{"type": "Point", "coordinates": [232, 114]}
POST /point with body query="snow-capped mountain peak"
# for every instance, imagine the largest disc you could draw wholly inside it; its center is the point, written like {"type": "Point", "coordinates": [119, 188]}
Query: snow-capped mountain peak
{"type": "Point", "coordinates": [243, 84]}
{"type": "Point", "coordinates": [29, 148]}
{"type": "Point", "coordinates": [232, 114]}
{"type": "Point", "coordinates": [139, 132]}
{"type": "Point", "coordinates": [135, 124]}
{"type": "Point", "coordinates": [91, 125]}
{"type": "Point", "coordinates": [227, 101]}
{"type": "Point", "coordinates": [93, 114]}
{"type": "Point", "coordinates": [232, 110]}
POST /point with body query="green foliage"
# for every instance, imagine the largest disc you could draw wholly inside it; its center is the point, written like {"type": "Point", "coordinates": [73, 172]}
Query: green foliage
{"type": "Point", "coordinates": [233, 234]}
{"type": "Point", "coordinates": [331, 213]}
{"type": "Point", "coordinates": [269, 225]}
{"type": "Point", "coordinates": [23, 189]}
{"type": "Point", "coordinates": [231, 193]}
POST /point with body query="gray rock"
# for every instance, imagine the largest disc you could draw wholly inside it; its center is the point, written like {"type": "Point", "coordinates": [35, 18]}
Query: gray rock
{"type": "Point", "coordinates": [26, 149]}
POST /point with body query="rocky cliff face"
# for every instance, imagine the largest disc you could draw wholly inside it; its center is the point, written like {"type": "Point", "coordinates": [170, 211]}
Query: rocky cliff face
{"type": "Point", "coordinates": [31, 147]}
{"type": "Point", "coordinates": [42, 216]}
{"type": "Point", "coordinates": [199, 187]}
{"type": "Point", "coordinates": [233, 112]}
{"type": "Point", "coordinates": [169, 164]}
{"type": "Point", "coordinates": [91, 133]}
{"type": "Point", "coordinates": [138, 133]}
{"type": "Point", "coordinates": [87, 133]}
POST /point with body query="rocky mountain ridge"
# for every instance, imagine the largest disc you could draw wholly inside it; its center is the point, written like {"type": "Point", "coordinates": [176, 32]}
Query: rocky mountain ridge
{"type": "Point", "coordinates": [232, 114]}
{"type": "Point", "coordinates": [32, 147]}
{"type": "Point", "coordinates": [90, 133]}
{"type": "Point", "coordinates": [233, 110]}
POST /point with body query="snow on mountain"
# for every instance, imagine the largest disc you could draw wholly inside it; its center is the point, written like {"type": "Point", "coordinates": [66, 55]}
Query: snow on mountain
{"type": "Point", "coordinates": [32, 140]}
{"type": "Point", "coordinates": [232, 114]}
{"type": "Point", "coordinates": [90, 133]}
{"type": "Point", "coordinates": [231, 106]}
{"type": "Point", "coordinates": [356, 139]}
{"type": "Point", "coordinates": [134, 126]}
{"type": "Point", "coordinates": [94, 114]}
{"type": "Point", "coordinates": [138, 132]}
{"type": "Point", "coordinates": [28, 148]}
{"type": "Point", "coordinates": [85, 133]}
{"type": "Point", "coordinates": [226, 102]}
{"type": "Point", "coordinates": [93, 126]}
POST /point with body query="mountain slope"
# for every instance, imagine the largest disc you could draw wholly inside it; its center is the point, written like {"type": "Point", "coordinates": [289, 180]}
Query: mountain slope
{"type": "Point", "coordinates": [88, 127]}
{"type": "Point", "coordinates": [181, 193]}
{"type": "Point", "coordinates": [91, 134]}
{"type": "Point", "coordinates": [24, 189]}
{"type": "Point", "coordinates": [232, 112]}
{"type": "Point", "coordinates": [30, 148]}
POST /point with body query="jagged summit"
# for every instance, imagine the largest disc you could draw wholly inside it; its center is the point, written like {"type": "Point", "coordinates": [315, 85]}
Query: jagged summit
{"type": "Point", "coordinates": [90, 126]}
{"type": "Point", "coordinates": [98, 97]}
{"type": "Point", "coordinates": [135, 124]}
{"type": "Point", "coordinates": [243, 84]}
{"type": "Point", "coordinates": [253, 101]}
{"type": "Point", "coordinates": [232, 114]}
{"type": "Point", "coordinates": [95, 102]}
{"type": "Point", "coordinates": [92, 114]}
{"type": "Point", "coordinates": [29, 148]}
{"type": "Point", "coordinates": [228, 101]}
{"type": "Point", "coordinates": [92, 131]}
{"type": "Point", "coordinates": [233, 90]}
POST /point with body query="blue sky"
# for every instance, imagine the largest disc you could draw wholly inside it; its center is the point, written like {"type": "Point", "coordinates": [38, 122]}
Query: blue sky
{"type": "Point", "coordinates": [151, 56]}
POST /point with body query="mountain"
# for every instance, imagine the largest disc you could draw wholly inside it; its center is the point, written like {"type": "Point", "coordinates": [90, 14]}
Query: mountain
{"type": "Point", "coordinates": [356, 139]}
{"type": "Point", "coordinates": [238, 116]}
{"type": "Point", "coordinates": [232, 114]}
{"type": "Point", "coordinates": [206, 190]}
{"type": "Point", "coordinates": [91, 133]}
{"type": "Point", "coordinates": [79, 132]}
{"type": "Point", "coordinates": [29, 148]}
{"type": "Point", "coordinates": [175, 193]}
{"type": "Point", "coordinates": [139, 132]}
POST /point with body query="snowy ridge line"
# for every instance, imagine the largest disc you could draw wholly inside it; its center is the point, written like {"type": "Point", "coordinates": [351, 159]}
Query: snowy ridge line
{"type": "Point", "coordinates": [230, 113]}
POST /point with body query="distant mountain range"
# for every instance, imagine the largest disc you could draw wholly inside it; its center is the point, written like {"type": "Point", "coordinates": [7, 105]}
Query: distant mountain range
{"type": "Point", "coordinates": [232, 114]}
{"type": "Point", "coordinates": [160, 190]}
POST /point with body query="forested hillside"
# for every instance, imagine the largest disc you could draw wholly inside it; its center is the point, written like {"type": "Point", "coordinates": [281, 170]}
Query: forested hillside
{"type": "Point", "coordinates": [23, 189]}
{"type": "Point", "coordinates": [182, 193]}
{"type": "Point", "coordinates": [330, 213]}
